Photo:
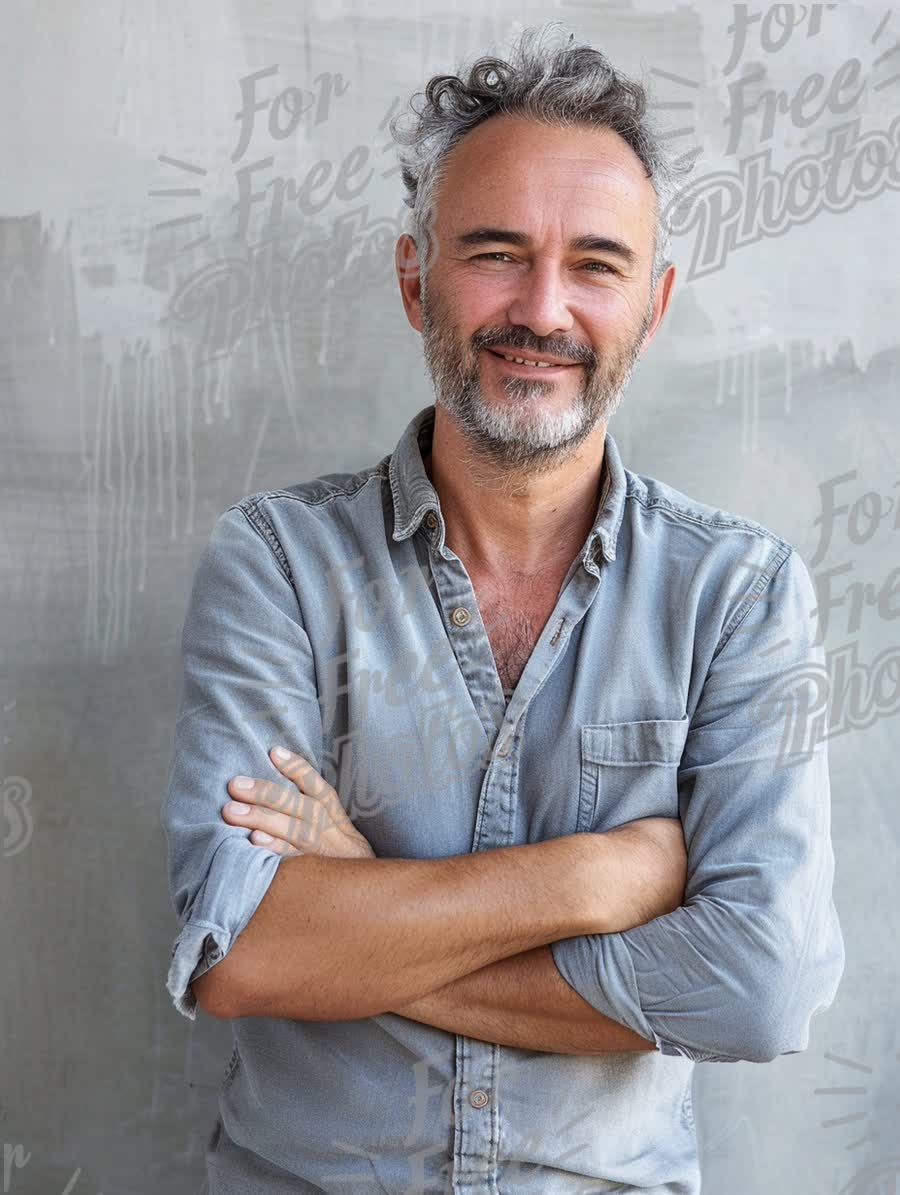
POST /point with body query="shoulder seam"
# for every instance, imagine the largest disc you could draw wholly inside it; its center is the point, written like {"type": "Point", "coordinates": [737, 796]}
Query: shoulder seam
{"type": "Point", "coordinates": [266, 532]}
{"type": "Point", "coordinates": [762, 582]}
{"type": "Point", "coordinates": [250, 507]}
{"type": "Point", "coordinates": [374, 472]}
{"type": "Point", "coordinates": [734, 524]}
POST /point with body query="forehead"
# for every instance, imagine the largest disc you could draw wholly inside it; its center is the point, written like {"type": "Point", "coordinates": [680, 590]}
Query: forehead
{"type": "Point", "coordinates": [514, 172]}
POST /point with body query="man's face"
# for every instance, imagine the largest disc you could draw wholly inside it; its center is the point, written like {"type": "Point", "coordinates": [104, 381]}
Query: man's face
{"type": "Point", "coordinates": [591, 307]}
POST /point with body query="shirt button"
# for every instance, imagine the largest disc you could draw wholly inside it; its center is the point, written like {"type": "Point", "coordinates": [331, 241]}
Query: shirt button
{"type": "Point", "coordinates": [214, 953]}
{"type": "Point", "coordinates": [504, 748]}
{"type": "Point", "coordinates": [479, 1098]}
{"type": "Point", "coordinates": [460, 616]}
{"type": "Point", "coordinates": [431, 520]}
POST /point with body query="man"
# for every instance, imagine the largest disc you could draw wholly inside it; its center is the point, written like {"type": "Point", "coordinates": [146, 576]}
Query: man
{"type": "Point", "coordinates": [537, 846]}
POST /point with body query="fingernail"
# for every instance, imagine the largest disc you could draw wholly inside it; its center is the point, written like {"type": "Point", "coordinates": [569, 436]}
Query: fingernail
{"type": "Point", "coordinates": [281, 753]}
{"type": "Point", "coordinates": [242, 782]}
{"type": "Point", "coordinates": [262, 836]}
{"type": "Point", "coordinates": [237, 808]}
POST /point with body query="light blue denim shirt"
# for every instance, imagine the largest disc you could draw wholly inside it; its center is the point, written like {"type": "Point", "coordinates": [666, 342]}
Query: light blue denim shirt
{"type": "Point", "coordinates": [679, 675]}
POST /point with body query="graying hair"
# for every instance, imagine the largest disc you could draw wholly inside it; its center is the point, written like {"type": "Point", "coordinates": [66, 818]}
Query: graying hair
{"type": "Point", "coordinates": [563, 86]}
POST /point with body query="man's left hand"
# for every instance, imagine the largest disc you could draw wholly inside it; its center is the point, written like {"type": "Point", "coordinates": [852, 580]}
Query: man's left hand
{"type": "Point", "coordinates": [302, 817]}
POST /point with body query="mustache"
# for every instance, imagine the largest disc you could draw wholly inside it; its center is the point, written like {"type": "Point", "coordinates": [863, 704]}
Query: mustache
{"type": "Point", "coordinates": [577, 354]}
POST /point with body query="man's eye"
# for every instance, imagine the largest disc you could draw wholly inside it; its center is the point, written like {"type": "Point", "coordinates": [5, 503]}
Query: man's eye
{"type": "Point", "coordinates": [602, 267]}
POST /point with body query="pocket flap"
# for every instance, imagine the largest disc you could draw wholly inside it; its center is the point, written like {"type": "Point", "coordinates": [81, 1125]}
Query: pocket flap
{"type": "Point", "coordinates": [657, 740]}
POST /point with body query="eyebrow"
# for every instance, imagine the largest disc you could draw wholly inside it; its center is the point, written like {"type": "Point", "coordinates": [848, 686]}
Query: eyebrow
{"type": "Point", "coordinates": [597, 244]}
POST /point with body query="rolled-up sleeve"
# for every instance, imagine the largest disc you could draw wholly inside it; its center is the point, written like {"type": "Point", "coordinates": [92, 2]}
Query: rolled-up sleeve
{"type": "Point", "coordinates": [756, 950]}
{"type": "Point", "coordinates": [249, 684]}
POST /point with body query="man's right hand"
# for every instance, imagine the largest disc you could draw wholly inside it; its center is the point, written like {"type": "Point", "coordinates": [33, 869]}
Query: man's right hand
{"type": "Point", "coordinates": [644, 871]}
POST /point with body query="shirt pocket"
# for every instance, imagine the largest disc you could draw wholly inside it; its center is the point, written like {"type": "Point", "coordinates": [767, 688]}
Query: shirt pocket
{"type": "Point", "coordinates": [629, 770]}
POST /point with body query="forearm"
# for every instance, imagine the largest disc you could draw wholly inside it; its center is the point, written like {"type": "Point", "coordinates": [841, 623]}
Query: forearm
{"type": "Point", "coordinates": [523, 1001]}
{"type": "Point", "coordinates": [340, 939]}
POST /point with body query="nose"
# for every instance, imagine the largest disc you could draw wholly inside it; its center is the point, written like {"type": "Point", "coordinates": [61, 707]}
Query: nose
{"type": "Point", "coordinates": [540, 301]}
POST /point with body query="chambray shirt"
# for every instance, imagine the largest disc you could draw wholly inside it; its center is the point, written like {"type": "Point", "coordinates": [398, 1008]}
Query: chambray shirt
{"type": "Point", "coordinates": [679, 675]}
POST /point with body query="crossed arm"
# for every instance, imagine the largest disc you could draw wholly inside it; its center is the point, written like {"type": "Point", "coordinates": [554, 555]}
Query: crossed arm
{"type": "Point", "coordinates": [459, 943]}
{"type": "Point", "coordinates": [735, 969]}
{"type": "Point", "coordinates": [523, 1001]}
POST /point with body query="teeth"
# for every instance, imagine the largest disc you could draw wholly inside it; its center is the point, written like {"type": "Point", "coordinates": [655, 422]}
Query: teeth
{"type": "Point", "coordinates": [522, 361]}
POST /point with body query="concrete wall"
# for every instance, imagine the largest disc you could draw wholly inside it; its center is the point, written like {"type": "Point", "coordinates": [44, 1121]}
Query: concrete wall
{"type": "Point", "coordinates": [147, 380]}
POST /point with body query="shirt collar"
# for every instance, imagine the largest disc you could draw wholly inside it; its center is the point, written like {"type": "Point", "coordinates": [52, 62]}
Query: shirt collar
{"type": "Point", "coordinates": [415, 498]}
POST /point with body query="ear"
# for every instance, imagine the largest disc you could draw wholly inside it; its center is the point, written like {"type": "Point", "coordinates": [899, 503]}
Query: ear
{"type": "Point", "coordinates": [406, 260]}
{"type": "Point", "coordinates": [661, 297]}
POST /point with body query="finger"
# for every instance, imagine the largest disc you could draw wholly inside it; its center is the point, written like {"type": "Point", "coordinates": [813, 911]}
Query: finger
{"type": "Point", "coordinates": [308, 780]}
{"type": "Point", "coordinates": [269, 794]}
{"type": "Point", "coordinates": [301, 772]}
{"type": "Point", "coordinates": [295, 832]}
{"type": "Point", "coordinates": [277, 845]}
{"type": "Point", "coordinates": [301, 828]}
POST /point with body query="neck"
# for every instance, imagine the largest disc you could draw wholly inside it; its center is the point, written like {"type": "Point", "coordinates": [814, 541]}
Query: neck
{"type": "Point", "coordinates": [525, 526]}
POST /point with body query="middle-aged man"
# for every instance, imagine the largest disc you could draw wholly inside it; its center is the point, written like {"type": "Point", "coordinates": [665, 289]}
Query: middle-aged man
{"type": "Point", "coordinates": [554, 821]}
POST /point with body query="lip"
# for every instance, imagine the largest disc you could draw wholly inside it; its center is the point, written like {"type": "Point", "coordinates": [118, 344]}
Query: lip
{"type": "Point", "coordinates": [531, 370]}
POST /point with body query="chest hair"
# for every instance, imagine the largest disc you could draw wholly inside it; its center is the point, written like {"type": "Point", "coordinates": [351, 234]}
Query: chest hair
{"type": "Point", "coordinates": [514, 618]}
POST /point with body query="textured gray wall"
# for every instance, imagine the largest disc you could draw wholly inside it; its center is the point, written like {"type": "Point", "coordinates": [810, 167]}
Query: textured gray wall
{"type": "Point", "coordinates": [148, 380]}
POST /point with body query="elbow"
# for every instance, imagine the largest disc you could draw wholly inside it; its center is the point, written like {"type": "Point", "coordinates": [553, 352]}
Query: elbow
{"type": "Point", "coordinates": [757, 1028]}
{"type": "Point", "coordinates": [776, 1035]}
{"type": "Point", "coordinates": [766, 1022]}
{"type": "Point", "coordinates": [780, 1002]}
{"type": "Point", "coordinates": [768, 1037]}
{"type": "Point", "coordinates": [232, 988]}
{"type": "Point", "coordinates": [753, 1040]}
{"type": "Point", "coordinates": [786, 1029]}
{"type": "Point", "coordinates": [218, 993]}
{"type": "Point", "coordinates": [784, 1014]}
{"type": "Point", "coordinates": [763, 1008]}
{"type": "Point", "coordinates": [778, 1023]}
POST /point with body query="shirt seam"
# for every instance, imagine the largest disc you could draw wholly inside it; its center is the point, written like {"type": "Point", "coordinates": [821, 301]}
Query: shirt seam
{"type": "Point", "coordinates": [266, 532]}
{"type": "Point", "coordinates": [749, 601]}
{"type": "Point", "coordinates": [372, 473]}
{"type": "Point", "coordinates": [732, 524]}
{"type": "Point", "coordinates": [250, 507]}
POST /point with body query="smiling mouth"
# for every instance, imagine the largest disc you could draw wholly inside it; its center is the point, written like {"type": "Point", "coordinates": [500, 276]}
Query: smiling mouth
{"type": "Point", "coordinates": [535, 368]}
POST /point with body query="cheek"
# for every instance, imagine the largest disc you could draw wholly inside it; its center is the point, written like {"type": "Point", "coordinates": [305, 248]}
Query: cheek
{"type": "Point", "coordinates": [484, 307]}
{"type": "Point", "coordinates": [614, 319]}
{"type": "Point", "coordinates": [611, 310]}
{"type": "Point", "coordinates": [457, 324]}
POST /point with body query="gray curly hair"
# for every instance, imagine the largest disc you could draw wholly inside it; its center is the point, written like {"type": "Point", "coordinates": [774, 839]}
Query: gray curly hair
{"type": "Point", "coordinates": [565, 86]}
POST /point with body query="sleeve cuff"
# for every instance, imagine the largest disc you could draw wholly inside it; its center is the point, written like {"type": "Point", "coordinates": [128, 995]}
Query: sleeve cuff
{"type": "Point", "coordinates": [196, 949]}
{"type": "Point", "coordinates": [236, 881]}
{"type": "Point", "coordinates": [577, 960]}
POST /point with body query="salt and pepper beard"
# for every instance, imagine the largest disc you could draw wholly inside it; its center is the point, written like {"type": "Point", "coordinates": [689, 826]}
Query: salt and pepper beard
{"type": "Point", "coordinates": [515, 441]}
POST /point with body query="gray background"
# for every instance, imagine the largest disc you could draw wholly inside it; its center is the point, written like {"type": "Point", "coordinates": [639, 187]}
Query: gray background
{"type": "Point", "coordinates": [143, 392]}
